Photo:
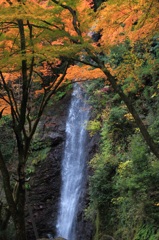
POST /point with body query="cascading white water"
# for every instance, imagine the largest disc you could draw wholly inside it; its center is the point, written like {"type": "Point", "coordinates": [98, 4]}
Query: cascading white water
{"type": "Point", "coordinates": [73, 165]}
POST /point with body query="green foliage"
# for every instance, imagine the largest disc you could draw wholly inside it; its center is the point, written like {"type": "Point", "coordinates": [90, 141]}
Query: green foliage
{"type": "Point", "coordinates": [124, 188]}
{"type": "Point", "coordinates": [147, 232]}
{"type": "Point", "coordinates": [40, 155]}
{"type": "Point", "coordinates": [97, 224]}
{"type": "Point", "coordinates": [134, 183]}
{"type": "Point", "coordinates": [136, 65]}
{"type": "Point", "coordinates": [62, 91]}
{"type": "Point", "coordinates": [93, 126]}
{"type": "Point", "coordinates": [101, 183]}
{"type": "Point", "coordinates": [118, 53]}
{"type": "Point", "coordinates": [139, 154]}
{"type": "Point", "coordinates": [5, 120]}
{"type": "Point", "coordinates": [39, 151]}
{"type": "Point", "coordinates": [117, 115]}
{"type": "Point", "coordinates": [96, 98]}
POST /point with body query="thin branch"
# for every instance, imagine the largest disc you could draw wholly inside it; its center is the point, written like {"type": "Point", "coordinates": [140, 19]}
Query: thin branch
{"type": "Point", "coordinates": [84, 62]}
{"type": "Point", "coordinates": [45, 100]}
{"type": "Point", "coordinates": [9, 93]}
{"type": "Point", "coordinates": [17, 114]}
{"type": "Point", "coordinates": [4, 99]}
{"type": "Point", "coordinates": [42, 27]}
{"type": "Point", "coordinates": [29, 120]}
{"type": "Point", "coordinates": [50, 24]}
{"type": "Point", "coordinates": [75, 21]}
{"type": "Point", "coordinates": [14, 43]}
{"type": "Point", "coordinates": [147, 13]}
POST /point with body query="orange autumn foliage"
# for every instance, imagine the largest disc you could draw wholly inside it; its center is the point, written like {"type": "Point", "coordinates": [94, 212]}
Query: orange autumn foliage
{"type": "Point", "coordinates": [117, 22]}
{"type": "Point", "coordinates": [3, 104]}
{"type": "Point", "coordinates": [83, 73]}
{"type": "Point", "coordinates": [126, 20]}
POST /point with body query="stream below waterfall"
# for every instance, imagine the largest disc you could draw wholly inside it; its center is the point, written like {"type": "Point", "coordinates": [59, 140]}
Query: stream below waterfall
{"type": "Point", "coordinates": [73, 165]}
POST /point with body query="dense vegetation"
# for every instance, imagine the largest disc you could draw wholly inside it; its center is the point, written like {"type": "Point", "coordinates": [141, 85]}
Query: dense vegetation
{"type": "Point", "coordinates": [118, 42]}
{"type": "Point", "coordinates": [124, 191]}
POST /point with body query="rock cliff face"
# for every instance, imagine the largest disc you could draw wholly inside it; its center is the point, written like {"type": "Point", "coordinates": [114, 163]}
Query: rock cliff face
{"type": "Point", "coordinates": [43, 198]}
{"type": "Point", "coordinates": [42, 202]}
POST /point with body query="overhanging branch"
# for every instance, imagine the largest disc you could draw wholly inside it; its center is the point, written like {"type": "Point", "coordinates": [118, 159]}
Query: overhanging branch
{"type": "Point", "coordinates": [75, 21]}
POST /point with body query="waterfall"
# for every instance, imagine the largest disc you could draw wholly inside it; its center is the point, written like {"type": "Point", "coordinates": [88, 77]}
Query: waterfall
{"type": "Point", "coordinates": [73, 165]}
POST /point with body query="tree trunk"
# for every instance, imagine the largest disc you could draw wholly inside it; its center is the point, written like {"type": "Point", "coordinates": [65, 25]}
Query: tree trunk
{"type": "Point", "coordinates": [16, 206]}
{"type": "Point", "coordinates": [32, 217]}
{"type": "Point", "coordinates": [20, 227]}
{"type": "Point", "coordinates": [19, 219]}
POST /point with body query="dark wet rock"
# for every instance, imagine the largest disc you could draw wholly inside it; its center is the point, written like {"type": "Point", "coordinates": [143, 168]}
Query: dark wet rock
{"type": "Point", "coordinates": [45, 183]}
{"type": "Point", "coordinates": [85, 228]}
{"type": "Point", "coordinates": [56, 138]}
